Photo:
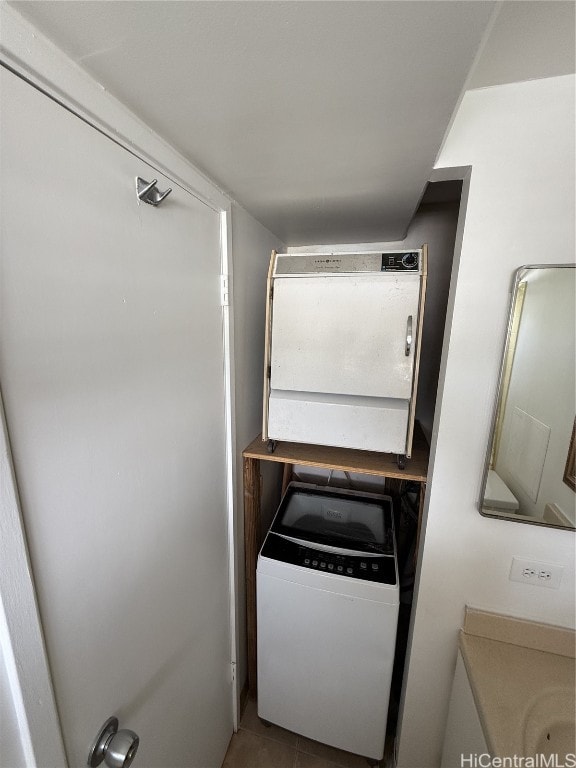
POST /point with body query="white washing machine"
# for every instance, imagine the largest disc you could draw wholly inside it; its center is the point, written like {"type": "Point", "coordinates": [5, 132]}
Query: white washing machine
{"type": "Point", "coordinates": [327, 610]}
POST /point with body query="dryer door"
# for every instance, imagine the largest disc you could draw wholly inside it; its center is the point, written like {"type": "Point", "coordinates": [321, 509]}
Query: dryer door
{"type": "Point", "coordinates": [344, 335]}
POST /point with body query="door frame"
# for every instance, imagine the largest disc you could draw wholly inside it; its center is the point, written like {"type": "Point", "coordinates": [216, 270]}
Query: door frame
{"type": "Point", "coordinates": [29, 55]}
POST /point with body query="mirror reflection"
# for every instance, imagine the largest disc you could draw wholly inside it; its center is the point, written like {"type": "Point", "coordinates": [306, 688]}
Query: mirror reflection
{"type": "Point", "coordinates": [529, 473]}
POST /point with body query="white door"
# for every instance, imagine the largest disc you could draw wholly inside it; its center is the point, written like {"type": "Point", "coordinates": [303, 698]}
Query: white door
{"type": "Point", "coordinates": [344, 335]}
{"type": "Point", "coordinates": [112, 371]}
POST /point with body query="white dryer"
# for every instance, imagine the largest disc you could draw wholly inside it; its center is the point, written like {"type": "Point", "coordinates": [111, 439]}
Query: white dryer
{"type": "Point", "coordinates": [327, 611]}
{"type": "Point", "coordinates": [343, 339]}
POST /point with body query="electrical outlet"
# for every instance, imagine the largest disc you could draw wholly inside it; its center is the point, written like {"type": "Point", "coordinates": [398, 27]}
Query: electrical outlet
{"type": "Point", "coordinates": [536, 573]}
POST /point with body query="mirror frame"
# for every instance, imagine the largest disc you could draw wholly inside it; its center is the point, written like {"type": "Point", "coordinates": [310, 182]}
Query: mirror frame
{"type": "Point", "coordinates": [519, 275]}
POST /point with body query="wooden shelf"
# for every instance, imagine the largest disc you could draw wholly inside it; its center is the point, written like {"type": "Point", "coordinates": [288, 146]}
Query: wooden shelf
{"type": "Point", "coordinates": [346, 459]}
{"type": "Point", "coordinates": [325, 457]}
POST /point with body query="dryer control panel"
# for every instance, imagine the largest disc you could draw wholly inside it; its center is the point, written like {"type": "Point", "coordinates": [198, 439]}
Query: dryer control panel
{"type": "Point", "coordinates": [404, 261]}
{"type": "Point", "coordinates": [369, 567]}
{"type": "Point", "coordinates": [299, 264]}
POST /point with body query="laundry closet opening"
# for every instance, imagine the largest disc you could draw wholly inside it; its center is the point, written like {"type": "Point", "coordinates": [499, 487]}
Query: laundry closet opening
{"type": "Point", "coordinates": [434, 223]}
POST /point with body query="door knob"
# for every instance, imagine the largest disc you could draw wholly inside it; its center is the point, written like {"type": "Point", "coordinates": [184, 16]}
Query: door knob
{"type": "Point", "coordinates": [116, 748]}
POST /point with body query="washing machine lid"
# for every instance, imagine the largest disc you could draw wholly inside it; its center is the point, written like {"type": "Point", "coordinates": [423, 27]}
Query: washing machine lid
{"type": "Point", "coordinates": [330, 517]}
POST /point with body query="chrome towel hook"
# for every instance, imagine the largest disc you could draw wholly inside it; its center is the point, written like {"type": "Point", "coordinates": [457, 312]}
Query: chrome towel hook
{"type": "Point", "coordinates": [148, 193]}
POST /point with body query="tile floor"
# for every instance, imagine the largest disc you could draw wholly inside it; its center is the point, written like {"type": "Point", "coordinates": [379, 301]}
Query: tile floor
{"type": "Point", "coordinates": [256, 746]}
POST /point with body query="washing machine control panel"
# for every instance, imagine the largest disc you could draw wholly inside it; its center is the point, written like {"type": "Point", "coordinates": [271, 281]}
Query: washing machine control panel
{"type": "Point", "coordinates": [379, 568]}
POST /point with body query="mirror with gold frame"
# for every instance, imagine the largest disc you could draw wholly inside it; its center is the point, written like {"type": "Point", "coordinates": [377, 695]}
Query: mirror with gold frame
{"type": "Point", "coordinates": [529, 471]}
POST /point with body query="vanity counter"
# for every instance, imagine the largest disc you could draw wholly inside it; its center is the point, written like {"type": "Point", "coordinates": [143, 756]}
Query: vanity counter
{"type": "Point", "coordinates": [512, 666]}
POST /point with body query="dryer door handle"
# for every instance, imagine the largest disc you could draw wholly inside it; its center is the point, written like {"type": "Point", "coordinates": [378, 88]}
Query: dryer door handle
{"type": "Point", "coordinates": [408, 335]}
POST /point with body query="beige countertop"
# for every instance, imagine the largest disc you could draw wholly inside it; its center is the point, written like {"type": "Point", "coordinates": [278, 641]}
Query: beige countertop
{"type": "Point", "coordinates": [507, 677]}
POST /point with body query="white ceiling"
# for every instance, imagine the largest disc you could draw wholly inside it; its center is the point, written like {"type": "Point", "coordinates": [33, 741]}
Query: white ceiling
{"type": "Point", "coordinates": [323, 119]}
{"type": "Point", "coordinates": [531, 39]}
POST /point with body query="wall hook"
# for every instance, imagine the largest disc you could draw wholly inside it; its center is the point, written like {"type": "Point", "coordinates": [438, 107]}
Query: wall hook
{"type": "Point", "coordinates": [148, 193]}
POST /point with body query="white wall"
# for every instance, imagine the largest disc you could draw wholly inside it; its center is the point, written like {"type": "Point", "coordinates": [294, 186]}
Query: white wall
{"type": "Point", "coordinates": [519, 140]}
{"type": "Point", "coordinates": [252, 245]}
